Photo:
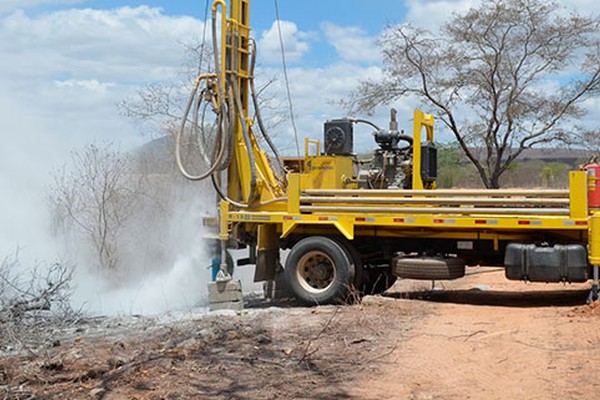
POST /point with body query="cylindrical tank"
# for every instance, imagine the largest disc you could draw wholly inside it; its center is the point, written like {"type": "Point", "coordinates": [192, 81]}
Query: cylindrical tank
{"type": "Point", "coordinates": [593, 180]}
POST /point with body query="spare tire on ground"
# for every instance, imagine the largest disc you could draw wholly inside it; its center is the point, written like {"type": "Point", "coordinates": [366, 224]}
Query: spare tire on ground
{"type": "Point", "coordinates": [428, 268]}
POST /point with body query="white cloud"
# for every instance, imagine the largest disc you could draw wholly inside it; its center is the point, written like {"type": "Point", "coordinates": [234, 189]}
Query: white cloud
{"type": "Point", "coordinates": [431, 14]}
{"type": "Point", "coordinates": [316, 93]}
{"type": "Point", "coordinates": [90, 84]}
{"type": "Point", "coordinates": [352, 43]}
{"type": "Point", "coordinates": [11, 5]}
{"type": "Point", "coordinates": [60, 77]}
{"type": "Point", "coordinates": [133, 44]}
{"type": "Point", "coordinates": [294, 41]}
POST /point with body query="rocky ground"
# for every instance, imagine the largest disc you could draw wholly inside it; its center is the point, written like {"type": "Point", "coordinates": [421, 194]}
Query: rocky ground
{"type": "Point", "coordinates": [480, 337]}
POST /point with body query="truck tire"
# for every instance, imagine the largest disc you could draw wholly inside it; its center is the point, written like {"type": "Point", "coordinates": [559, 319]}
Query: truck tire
{"type": "Point", "coordinates": [367, 281]}
{"type": "Point", "coordinates": [318, 270]}
{"type": "Point", "coordinates": [428, 268]}
{"type": "Point", "coordinates": [360, 274]}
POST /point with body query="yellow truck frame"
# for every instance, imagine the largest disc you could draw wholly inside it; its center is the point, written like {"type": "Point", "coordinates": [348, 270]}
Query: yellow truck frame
{"type": "Point", "coordinates": [341, 236]}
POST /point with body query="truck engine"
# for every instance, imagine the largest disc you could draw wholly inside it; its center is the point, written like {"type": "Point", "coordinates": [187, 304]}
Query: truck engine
{"type": "Point", "coordinates": [390, 165]}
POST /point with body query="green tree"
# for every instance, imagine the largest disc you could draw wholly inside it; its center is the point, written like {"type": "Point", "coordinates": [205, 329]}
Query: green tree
{"type": "Point", "coordinates": [449, 160]}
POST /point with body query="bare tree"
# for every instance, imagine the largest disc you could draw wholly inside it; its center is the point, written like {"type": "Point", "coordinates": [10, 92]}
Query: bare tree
{"type": "Point", "coordinates": [590, 139]}
{"type": "Point", "coordinates": [96, 195]}
{"type": "Point", "coordinates": [31, 296]}
{"type": "Point", "coordinates": [503, 77]}
{"type": "Point", "coordinates": [35, 289]}
{"type": "Point", "coordinates": [161, 105]}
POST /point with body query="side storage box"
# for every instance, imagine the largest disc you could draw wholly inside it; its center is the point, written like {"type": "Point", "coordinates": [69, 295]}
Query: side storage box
{"type": "Point", "coordinates": [559, 263]}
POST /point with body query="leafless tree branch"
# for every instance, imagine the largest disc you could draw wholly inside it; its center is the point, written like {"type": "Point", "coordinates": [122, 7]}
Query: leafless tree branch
{"type": "Point", "coordinates": [96, 195]}
{"type": "Point", "coordinates": [30, 296]}
{"type": "Point", "coordinates": [503, 77]}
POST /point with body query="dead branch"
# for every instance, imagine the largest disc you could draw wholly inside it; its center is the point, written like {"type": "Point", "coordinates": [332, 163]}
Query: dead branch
{"type": "Point", "coordinates": [30, 297]}
{"type": "Point", "coordinates": [306, 353]}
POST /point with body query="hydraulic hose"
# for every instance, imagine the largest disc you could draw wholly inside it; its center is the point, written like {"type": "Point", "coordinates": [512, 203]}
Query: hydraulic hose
{"type": "Point", "coordinates": [221, 137]}
{"type": "Point", "coordinates": [229, 129]}
{"type": "Point", "coordinates": [242, 205]}
{"type": "Point", "coordinates": [216, 53]}
{"type": "Point", "coordinates": [219, 71]}
{"type": "Point", "coordinates": [259, 119]}
{"type": "Point", "coordinates": [248, 143]}
{"type": "Point", "coordinates": [364, 121]}
{"type": "Point", "coordinates": [406, 138]}
{"type": "Point", "coordinates": [196, 113]}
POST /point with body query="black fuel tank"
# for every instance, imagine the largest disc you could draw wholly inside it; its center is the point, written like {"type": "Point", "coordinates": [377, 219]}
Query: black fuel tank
{"type": "Point", "coordinates": [558, 263]}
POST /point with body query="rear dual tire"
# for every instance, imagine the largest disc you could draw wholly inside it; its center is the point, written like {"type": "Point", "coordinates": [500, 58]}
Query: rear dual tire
{"type": "Point", "coordinates": [324, 270]}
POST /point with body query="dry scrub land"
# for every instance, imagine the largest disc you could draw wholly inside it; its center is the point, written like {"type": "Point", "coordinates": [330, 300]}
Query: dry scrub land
{"type": "Point", "coordinates": [480, 338]}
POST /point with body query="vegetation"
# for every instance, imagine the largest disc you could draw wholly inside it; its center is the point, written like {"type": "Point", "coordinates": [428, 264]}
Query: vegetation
{"type": "Point", "coordinates": [455, 171]}
{"type": "Point", "coordinates": [506, 76]}
{"type": "Point", "coordinates": [95, 196]}
{"type": "Point", "coordinates": [30, 297]}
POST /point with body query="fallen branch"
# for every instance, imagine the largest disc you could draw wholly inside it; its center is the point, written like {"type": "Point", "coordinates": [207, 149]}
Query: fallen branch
{"type": "Point", "coordinates": [305, 353]}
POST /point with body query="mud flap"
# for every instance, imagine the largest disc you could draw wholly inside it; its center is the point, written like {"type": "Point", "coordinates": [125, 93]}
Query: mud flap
{"type": "Point", "coordinates": [267, 258]}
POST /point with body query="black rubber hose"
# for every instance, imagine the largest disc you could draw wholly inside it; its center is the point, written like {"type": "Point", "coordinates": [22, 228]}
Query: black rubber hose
{"type": "Point", "coordinates": [259, 119]}
{"type": "Point", "coordinates": [216, 54]}
{"type": "Point", "coordinates": [229, 129]}
{"type": "Point", "coordinates": [364, 121]}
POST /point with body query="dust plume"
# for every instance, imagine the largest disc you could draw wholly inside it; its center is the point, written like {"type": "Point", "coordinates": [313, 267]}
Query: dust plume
{"type": "Point", "coordinates": [175, 280]}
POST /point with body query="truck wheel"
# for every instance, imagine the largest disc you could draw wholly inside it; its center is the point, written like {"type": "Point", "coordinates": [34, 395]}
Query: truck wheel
{"type": "Point", "coordinates": [360, 274]}
{"type": "Point", "coordinates": [367, 281]}
{"type": "Point", "coordinates": [318, 270]}
{"type": "Point", "coordinates": [429, 268]}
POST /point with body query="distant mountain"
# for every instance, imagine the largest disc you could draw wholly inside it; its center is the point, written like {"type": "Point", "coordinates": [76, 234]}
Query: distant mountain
{"type": "Point", "coordinates": [160, 147]}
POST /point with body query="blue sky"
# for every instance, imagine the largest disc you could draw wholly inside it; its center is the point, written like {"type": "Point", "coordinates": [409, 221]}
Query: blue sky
{"type": "Point", "coordinates": [309, 15]}
{"type": "Point", "coordinates": [371, 15]}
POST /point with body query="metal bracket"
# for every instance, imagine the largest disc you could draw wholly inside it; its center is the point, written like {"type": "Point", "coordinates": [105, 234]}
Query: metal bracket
{"type": "Point", "coordinates": [223, 275]}
{"type": "Point", "coordinates": [593, 296]}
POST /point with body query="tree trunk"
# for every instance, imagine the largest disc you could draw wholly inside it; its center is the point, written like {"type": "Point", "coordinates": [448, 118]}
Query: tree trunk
{"type": "Point", "coordinates": [494, 182]}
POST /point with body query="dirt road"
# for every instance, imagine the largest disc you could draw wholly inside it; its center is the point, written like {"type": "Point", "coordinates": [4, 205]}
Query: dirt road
{"type": "Point", "coordinates": [480, 337]}
{"type": "Point", "coordinates": [508, 341]}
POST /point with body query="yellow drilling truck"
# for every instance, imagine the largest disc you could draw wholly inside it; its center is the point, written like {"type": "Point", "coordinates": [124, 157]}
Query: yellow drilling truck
{"type": "Point", "coordinates": [355, 226]}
